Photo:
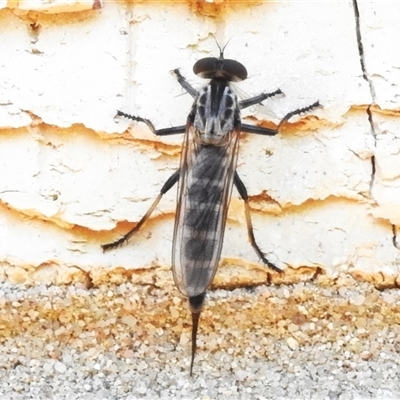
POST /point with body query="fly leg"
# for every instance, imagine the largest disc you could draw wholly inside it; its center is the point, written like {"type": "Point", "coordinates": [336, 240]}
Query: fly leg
{"type": "Point", "coordinates": [159, 132]}
{"type": "Point", "coordinates": [175, 129]}
{"type": "Point", "coordinates": [259, 130]}
{"type": "Point", "coordinates": [258, 99]}
{"type": "Point", "coordinates": [167, 185]}
{"type": "Point", "coordinates": [238, 182]}
{"type": "Point", "coordinates": [243, 194]}
{"type": "Point", "coordinates": [185, 84]}
{"type": "Point", "coordinates": [296, 112]}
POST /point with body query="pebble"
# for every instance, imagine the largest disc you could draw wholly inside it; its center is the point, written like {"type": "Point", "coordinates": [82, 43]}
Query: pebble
{"type": "Point", "coordinates": [75, 343]}
{"type": "Point", "coordinates": [60, 367]}
{"type": "Point", "coordinates": [292, 343]}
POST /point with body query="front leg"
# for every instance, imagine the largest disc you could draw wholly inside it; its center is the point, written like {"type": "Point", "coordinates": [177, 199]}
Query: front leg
{"type": "Point", "coordinates": [159, 132]}
{"type": "Point", "coordinates": [258, 99]}
{"type": "Point", "coordinates": [185, 84]}
{"type": "Point", "coordinates": [166, 131]}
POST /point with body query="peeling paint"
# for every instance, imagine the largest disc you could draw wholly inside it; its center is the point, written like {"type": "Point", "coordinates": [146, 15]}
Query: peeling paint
{"type": "Point", "coordinates": [325, 191]}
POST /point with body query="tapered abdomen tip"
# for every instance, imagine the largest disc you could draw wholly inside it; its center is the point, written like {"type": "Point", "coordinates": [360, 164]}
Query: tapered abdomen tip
{"type": "Point", "coordinates": [196, 304]}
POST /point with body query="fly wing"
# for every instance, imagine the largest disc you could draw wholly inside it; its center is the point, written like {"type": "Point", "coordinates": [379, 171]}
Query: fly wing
{"type": "Point", "coordinates": [204, 190]}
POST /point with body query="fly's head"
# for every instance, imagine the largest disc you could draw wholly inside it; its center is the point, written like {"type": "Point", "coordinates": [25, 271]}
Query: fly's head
{"type": "Point", "coordinates": [220, 68]}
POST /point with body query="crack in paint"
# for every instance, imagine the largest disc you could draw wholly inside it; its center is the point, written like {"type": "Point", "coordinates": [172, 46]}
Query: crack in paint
{"type": "Point", "coordinates": [371, 87]}
{"type": "Point", "coordinates": [370, 106]}
{"type": "Point", "coordinates": [394, 237]}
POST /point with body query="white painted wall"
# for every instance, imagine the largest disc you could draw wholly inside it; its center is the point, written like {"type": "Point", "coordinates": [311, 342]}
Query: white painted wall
{"type": "Point", "coordinates": [70, 172]}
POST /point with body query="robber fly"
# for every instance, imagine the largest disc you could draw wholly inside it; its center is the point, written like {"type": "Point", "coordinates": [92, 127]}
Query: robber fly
{"type": "Point", "coordinates": [205, 178]}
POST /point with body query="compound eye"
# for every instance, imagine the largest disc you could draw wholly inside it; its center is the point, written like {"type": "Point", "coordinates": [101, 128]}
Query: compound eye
{"type": "Point", "coordinates": [235, 69]}
{"type": "Point", "coordinates": [211, 67]}
{"type": "Point", "coordinates": [205, 65]}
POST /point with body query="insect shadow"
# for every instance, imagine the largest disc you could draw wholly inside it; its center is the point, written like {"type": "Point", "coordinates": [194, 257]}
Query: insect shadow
{"type": "Point", "coordinates": [205, 178]}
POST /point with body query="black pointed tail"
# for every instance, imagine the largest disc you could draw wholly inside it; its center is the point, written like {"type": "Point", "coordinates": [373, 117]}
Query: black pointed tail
{"type": "Point", "coordinates": [196, 305]}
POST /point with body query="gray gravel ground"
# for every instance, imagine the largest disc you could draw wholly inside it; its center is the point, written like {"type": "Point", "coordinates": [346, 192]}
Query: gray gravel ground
{"type": "Point", "coordinates": [129, 342]}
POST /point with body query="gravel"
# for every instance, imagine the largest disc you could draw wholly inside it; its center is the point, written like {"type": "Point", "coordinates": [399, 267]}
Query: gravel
{"type": "Point", "coordinates": [314, 340]}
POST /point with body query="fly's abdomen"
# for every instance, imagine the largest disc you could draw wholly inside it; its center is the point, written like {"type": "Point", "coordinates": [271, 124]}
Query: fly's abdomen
{"type": "Point", "coordinates": [200, 223]}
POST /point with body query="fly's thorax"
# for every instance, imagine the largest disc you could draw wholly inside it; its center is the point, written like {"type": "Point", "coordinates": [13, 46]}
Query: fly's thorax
{"type": "Point", "coordinates": [216, 113]}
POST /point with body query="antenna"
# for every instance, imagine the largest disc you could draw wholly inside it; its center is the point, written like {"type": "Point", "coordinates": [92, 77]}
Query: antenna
{"type": "Point", "coordinates": [221, 51]}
